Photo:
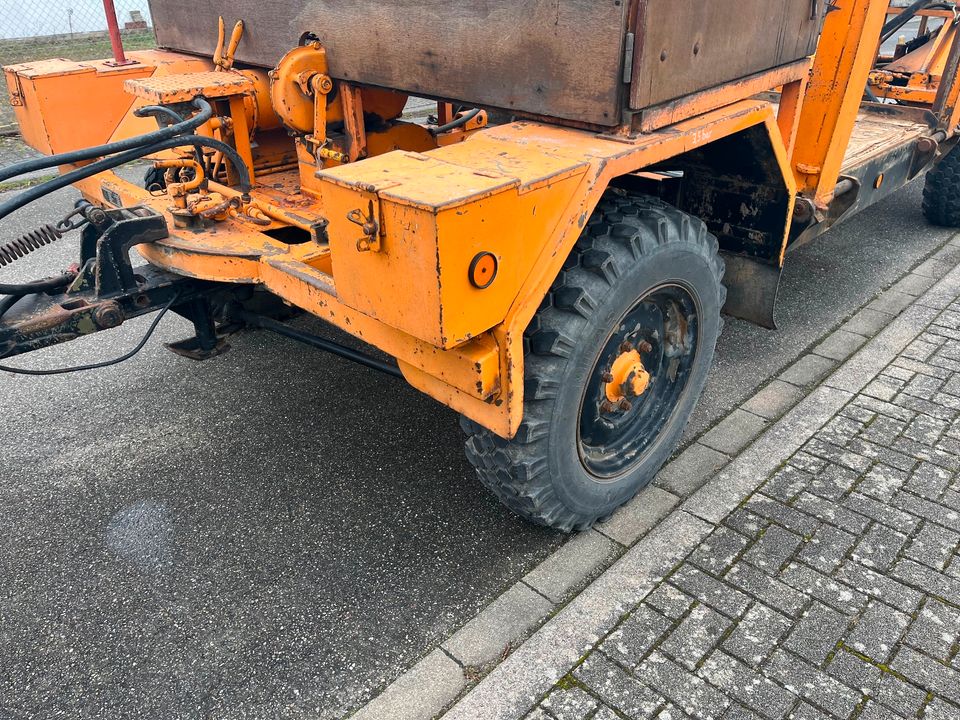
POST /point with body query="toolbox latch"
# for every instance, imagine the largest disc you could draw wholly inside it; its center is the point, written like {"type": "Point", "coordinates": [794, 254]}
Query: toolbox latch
{"type": "Point", "coordinates": [368, 218]}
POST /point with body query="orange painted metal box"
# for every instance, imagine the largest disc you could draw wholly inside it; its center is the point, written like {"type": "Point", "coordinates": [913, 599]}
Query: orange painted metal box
{"type": "Point", "coordinates": [454, 243]}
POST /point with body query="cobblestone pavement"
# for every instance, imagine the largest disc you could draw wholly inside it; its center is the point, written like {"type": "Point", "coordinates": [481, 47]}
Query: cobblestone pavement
{"type": "Point", "coordinates": [833, 591]}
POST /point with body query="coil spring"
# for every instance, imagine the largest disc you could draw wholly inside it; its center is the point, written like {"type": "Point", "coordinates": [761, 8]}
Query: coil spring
{"type": "Point", "coordinates": [27, 243]}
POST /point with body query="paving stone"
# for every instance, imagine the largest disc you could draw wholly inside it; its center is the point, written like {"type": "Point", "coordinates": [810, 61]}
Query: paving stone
{"type": "Point", "coordinates": [884, 430]}
{"type": "Point", "coordinates": [670, 712]}
{"type": "Point", "coordinates": [812, 684]}
{"type": "Point", "coordinates": [854, 672]}
{"type": "Point", "coordinates": [840, 455]}
{"type": "Point", "coordinates": [736, 711]}
{"type": "Point", "coordinates": [421, 692]}
{"type": "Point", "coordinates": [928, 673]}
{"type": "Point", "coordinates": [891, 301]}
{"type": "Point", "coordinates": [817, 633]}
{"type": "Point", "coordinates": [746, 522]}
{"type": "Point", "coordinates": [804, 711]}
{"type": "Point", "coordinates": [840, 430]}
{"type": "Point", "coordinates": [774, 400]}
{"type": "Point", "coordinates": [914, 284]}
{"type": "Point", "coordinates": [878, 631]}
{"type": "Point", "coordinates": [868, 322]}
{"type": "Point", "coordinates": [757, 634]}
{"type": "Point", "coordinates": [875, 711]}
{"type": "Point", "coordinates": [734, 432]}
{"type": "Point", "coordinates": [928, 407]}
{"type": "Point", "coordinates": [940, 710]}
{"type": "Point", "coordinates": [831, 512]}
{"type": "Point", "coordinates": [827, 549]}
{"type": "Point", "coordinates": [769, 590]}
{"type": "Point", "coordinates": [884, 388]}
{"type": "Point", "coordinates": [936, 631]}
{"type": "Point", "coordinates": [687, 472]}
{"type": "Point", "coordinates": [884, 408]}
{"type": "Point", "coordinates": [617, 688]}
{"type": "Point", "coordinates": [787, 483]}
{"type": "Point", "coordinates": [571, 703]}
{"type": "Point", "coordinates": [502, 622]}
{"type": "Point", "coordinates": [879, 547]}
{"type": "Point", "coordinates": [710, 591]}
{"type": "Point", "coordinates": [933, 546]}
{"type": "Point", "coordinates": [902, 697]}
{"type": "Point", "coordinates": [631, 642]}
{"type": "Point", "coordinates": [798, 522]}
{"type": "Point", "coordinates": [920, 576]}
{"type": "Point", "coordinates": [571, 565]}
{"type": "Point", "coordinates": [637, 517]}
{"type": "Point", "coordinates": [926, 430]}
{"type": "Point", "coordinates": [773, 548]}
{"type": "Point", "coordinates": [687, 691]}
{"type": "Point", "coordinates": [840, 345]}
{"type": "Point", "coordinates": [719, 550]}
{"type": "Point", "coordinates": [605, 713]}
{"type": "Point", "coordinates": [669, 600]}
{"type": "Point", "coordinates": [879, 453]}
{"type": "Point", "coordinates": [811, 463]}
{"type": "Point", "coordinates": [924, 386]}
{"type": "Point", "coordinates": [879, 586]}
{"type": "Point", "coordinates": [833, 482]}
{"type": "Point", "coordinates": [837, 595]}
{"type": "Point", "coordinates": [920, 507]}
{"type": "Point", "coordinates": [882, 482]}
{"type": "Point", "coordinates": [752, 689]}
{"type": "Point", "coordinates": [695, 636]}
{"type": "Point", "coordinates": [881, 512]}
{"type": "Point", "coordinates": [808, 370]}
{"type": "Point", "coordinates": [538, 714]}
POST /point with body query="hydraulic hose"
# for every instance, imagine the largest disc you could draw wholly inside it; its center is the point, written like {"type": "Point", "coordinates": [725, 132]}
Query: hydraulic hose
{"type": "Point", "coordinates": [37, 286]}
{"type": "Point", "coordinates": [453, 125]}
{"type": "Point", "coordinates": [109, 163]}
{"type": "Point", "coordinates": [906, 16]}
{"type": "Point", "coordinates": [152, 138]}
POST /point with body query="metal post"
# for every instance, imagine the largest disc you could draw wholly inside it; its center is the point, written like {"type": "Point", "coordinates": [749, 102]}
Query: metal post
{"type": "Point", "coordinates": [113, 27]}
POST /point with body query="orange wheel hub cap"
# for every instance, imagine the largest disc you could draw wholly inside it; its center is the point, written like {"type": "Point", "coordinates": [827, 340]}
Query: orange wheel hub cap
{"type": "Point", "coordinates": [629, 378]}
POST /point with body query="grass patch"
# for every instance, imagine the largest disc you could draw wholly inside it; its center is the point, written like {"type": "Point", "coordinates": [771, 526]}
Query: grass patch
{"type": "Point", "coordinates": [25, 182]}
{"type": "Point", "coordinates": [83, 47]}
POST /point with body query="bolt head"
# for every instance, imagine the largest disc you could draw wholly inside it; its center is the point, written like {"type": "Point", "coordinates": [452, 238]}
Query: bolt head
{"type": "Point", "coordinates": [108, 316]}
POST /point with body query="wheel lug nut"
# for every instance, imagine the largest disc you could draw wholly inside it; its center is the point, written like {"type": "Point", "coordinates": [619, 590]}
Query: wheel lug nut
{"type": "Point", "coordinates": [625, 346]}
{"type": "Point", "coordinates": [625, 405]}
{"type": "Point", "coordinates": [607, 377]}
{"type": "Point", "coordinates": [645, 346]}
{"type": "Point", "coordinates": [607, 406]}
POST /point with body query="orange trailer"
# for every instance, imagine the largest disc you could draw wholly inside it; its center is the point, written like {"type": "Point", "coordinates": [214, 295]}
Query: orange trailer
{"type": "Point", "coordinates": [549, 254]}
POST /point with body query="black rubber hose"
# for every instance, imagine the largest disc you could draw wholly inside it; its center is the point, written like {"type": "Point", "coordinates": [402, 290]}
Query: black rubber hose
{"type": "Point", "coordinates": [174, 117]}
{"type": "Point", "coordinates": [35, 193]}
{"type": "Point", "coordinates": [459, 122]}
{"type": "Point", "coordinates": [37, 286]}
{"type": "Point", "coordinates": [903, 18]}
{"type": "Point", "coordinates": [69, 158]}
{"type": "Point", "coordinates": [8, 302]}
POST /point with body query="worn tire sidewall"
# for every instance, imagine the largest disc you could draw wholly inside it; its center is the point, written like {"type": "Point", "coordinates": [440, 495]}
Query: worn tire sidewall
{"type": "Point", "coordinates": [576, 488]}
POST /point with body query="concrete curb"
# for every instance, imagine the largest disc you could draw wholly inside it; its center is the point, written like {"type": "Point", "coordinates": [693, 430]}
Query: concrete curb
{"type": "Point", "coordinates": [864, 344]}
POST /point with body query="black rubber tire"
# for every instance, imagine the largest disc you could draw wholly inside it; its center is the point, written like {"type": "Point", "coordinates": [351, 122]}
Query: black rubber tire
{"type": "Point", "coordinates": [941, 192]}
{"type": "Point", "coordinates": [630, 245]}
{"type": "Point", "coordinates": [154, 177]}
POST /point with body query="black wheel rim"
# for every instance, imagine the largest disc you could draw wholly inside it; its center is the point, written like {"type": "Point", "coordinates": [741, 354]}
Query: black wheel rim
{"type": "Point", "coordinates": [663, 329]}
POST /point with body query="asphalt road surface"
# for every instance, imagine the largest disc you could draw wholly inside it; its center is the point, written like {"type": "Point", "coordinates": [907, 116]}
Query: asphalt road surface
{"type": "Point", "coordinates": [277, 533]}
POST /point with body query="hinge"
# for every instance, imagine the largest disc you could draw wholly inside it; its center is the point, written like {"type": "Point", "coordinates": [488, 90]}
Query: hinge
{"type": "Point", "coordinates": [628, 59]}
